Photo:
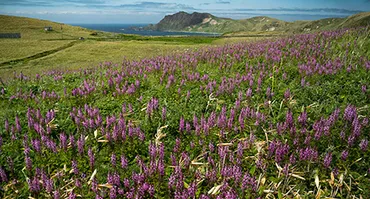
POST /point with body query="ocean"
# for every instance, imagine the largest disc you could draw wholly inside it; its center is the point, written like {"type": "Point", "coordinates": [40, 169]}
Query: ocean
{"type": "Point", "coordinates": [126, 29]}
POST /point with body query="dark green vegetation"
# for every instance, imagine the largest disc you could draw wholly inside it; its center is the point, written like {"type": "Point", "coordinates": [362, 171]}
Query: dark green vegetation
{"type": "Point", "coordinates": [204, 22]}
{"type": "Point", "coordinates": [174, 39]}
{"type": "Point", "coordinates": [283, 118]}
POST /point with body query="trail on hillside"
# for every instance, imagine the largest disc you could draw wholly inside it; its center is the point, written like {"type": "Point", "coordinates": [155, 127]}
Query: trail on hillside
{"type": "Point", "coordinates": [4, 65]}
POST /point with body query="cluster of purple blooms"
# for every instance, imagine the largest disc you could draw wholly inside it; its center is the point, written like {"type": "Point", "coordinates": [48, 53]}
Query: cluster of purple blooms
{"type": "Point", "coordinates": [148, 146]}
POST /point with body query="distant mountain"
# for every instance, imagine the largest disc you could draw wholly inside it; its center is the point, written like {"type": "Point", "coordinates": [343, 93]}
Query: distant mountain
{"type": "Point", "coordinates": [182, 20]}
{"type": "Point", "coordinates": [205, 22]}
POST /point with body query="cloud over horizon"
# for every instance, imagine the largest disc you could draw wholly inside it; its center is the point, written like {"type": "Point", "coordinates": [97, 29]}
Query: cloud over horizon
{"type": "Point", "coordinates": [156, 9]}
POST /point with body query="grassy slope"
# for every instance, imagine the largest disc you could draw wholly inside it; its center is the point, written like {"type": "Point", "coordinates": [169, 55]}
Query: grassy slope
{"type": "Point", "coordinates": [320, 97]}
{"type": "Point", "coordinates": [91, 53]}
{"type": "Point", "coordinates": [33, 29]}
{"type": "Point", "coordinates": [14, 49]}
{"type": "Point", "coordinates": [34, 39]}
{"type": "Point", "coordinates": [95, 49]}
{"type": "Point", "coordinates": [361, 19]}
{"type": "Point", "coordinates": [267, 25]}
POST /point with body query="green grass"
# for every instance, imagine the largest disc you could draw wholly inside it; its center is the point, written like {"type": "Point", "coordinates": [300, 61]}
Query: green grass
{"type": "Point", "coordinates": [33, 29]}
{"type": "Point", "coordinates": [91, 53]}
{"type": "Point", "coordinates": [38, 51]}
{"type": "Point", "coordinates": [11, 49]}
{"type": "Point", "coordinates": [187, 97]}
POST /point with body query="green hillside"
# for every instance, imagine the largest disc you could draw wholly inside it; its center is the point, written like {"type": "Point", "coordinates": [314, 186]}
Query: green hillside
{"type": "Point", "coordinates": [205, 22]}
{"type": "Point", "coordinates": [33, 29]}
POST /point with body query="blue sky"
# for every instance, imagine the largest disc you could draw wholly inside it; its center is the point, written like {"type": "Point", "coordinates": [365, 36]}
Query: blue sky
{"type": "Point", "coordinates": [151, 11]}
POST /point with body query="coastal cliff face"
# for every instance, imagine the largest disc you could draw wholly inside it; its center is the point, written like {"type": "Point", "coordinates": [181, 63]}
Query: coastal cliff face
{"type": "Point", "coordinates": [205, 22]}
{"type": "Point", "coordinates": [181, 20]}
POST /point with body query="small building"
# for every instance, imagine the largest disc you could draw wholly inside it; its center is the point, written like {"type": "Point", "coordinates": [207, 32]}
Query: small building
{"type": "Point", "coordinates": [48, 28]}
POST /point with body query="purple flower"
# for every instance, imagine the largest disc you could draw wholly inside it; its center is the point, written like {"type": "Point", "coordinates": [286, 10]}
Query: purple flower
{"type": "Point", "coordinates": [287, 94]}
{"type": "Point", "coordinates": [303, 82]}
{"type": "Point", "coordinates": [249, 93]}
{"type": "Point", "coordinates": [249, 182]}
{"type": "Point", "coordinates": [327, 160]}
{"type": "Point", "coordinates": [90, 153]}
{"type": "Point", "coordinates": [34, 185]}
{"type": "Point", "coordinates": [94, 185]}
{"type": "Point", "coordinates": [56, 194]}
{"type": "Point", "coordinates": [124, 162]}
{"type": "Point", "coordinates": [364, 144]}
{"type": "Point", "coordinates": [63, 141]}
{"type": "Point", "coordinates": [350, 113]}
{"type": "Point", "coordinates": [74, 167]}
{"type": "Point", "coordinates": [72, 141]}
{"type": "Point", "coordinates": [113, 193]}
{"type": "Point", "coordinates": [6, 125]}
{"type": "Point", "coordinates": [344, 155]}
{"type": "Point", "coordinates": [80, 144]}
{"type": "Point", "coordinates": [363, 88]}
{"type": "Point", "coordinates": [28, 163]}
{"type": "Point", "coordinates": [18, 124]}
{"type": "Point", "coordinates": [113, 159]}
{"type": "Point", "coordinates": [182, 124]}
{"type": "Point", "coordinates": [302, 118]}
{"type": "Point", "coordinates": [72, 195]}
{"type": "Point", "coordinates": [365, 121]}
{"type": "Point", "coordinates": [164, 113]}
{"type": "Point", "coordinates": [78, 182]}
{"type": "Point", "coordinates": [3, 177]}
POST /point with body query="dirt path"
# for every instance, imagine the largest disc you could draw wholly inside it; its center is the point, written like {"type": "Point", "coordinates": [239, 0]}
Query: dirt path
{"type": "Point", "coordinates": [38, 55]}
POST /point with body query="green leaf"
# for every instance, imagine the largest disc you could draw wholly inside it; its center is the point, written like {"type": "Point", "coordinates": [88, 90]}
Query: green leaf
{"type": "Point", "coordinates": [280, 195]}
{"type": "Point", "coordinates": [252, 170]}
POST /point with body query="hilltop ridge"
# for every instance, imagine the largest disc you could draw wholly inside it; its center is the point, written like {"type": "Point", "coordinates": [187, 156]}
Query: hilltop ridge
{"type": "Point", "coordinates": [206, 22]}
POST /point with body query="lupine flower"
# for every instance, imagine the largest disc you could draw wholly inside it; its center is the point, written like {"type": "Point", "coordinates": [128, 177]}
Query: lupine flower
{"type": "Point", "coordinates": [74, 167]}
{"type": "Point", "coordinates": [3, 176]}
{"type": "Point", "coordinates": [34, 185]}
{"type": "Point", "coordinates": [28, 163]}
{"type": "Point", "coordinates": [91, 157]}
{"type": "Point", "coordinates": [113, 159]}
{"type": "Point", "coordinates": [56, 194]}
{"type": "Point", "coordinates": [72, 195]}
{"type": "Point", "coordinates": [350, 113]}
{"type": "Point", "coordinates": [63, 141]}
{"type": "Point", "coordinates": [363, 88]}
{"type": "Point", "coordinates": [124, 162]}
{"type": "Point", "coordinates": [344, 155]}
{"type": "Point", "coordinates": [287, 94]}
{"type": "Point", "coordinates": [327, 160]}
{"type": "Point", "coordinates": [364, 144]}
{"type": "Point", "coordinates": [94, 185]}
{"type": "Point", "coordinates": [182, 124]}
{"type": "Point", "coordinates": [80, 144]}
{"type": "Point", "coordinates": [302, 118]}
{"type": "Point", "coordinates": [113, 193]}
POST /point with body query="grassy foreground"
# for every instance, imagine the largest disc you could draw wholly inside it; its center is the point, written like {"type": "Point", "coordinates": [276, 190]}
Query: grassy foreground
{"type": "Point", "coordinates": [278, 119]}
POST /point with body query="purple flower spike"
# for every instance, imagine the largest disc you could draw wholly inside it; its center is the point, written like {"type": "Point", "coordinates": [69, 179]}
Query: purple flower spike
{"type": "Point", "coordinates": [364, 144]}
{"type": "Point", "coordinates": [344, 155]}
{"type": "Point", "coordinates": [113, 159]}
{"type": "Point", "coordinates": [363, 88]}
{"type": "Point", "coordinates": [287, 94]}
{"type": "Point", "coordinates": [327, 160]}
{"type": "Point", "coordinates": [90, 153]}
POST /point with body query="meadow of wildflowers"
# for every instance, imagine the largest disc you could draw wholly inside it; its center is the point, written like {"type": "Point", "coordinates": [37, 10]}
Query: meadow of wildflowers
{"type": "Point", "coordinates": [277, 118]}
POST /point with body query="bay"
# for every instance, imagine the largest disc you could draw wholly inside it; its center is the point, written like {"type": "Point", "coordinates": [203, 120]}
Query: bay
{"type": "Point", "coordinates": [127, 29]}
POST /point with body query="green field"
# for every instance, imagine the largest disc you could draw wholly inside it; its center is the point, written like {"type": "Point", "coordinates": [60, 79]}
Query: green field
{"type": "Point", "coordinates": [11, 49]}
{"type": "Point", "coordinates": [281, 118]}
{"type": "Point", "coordinates": [38, 50]}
